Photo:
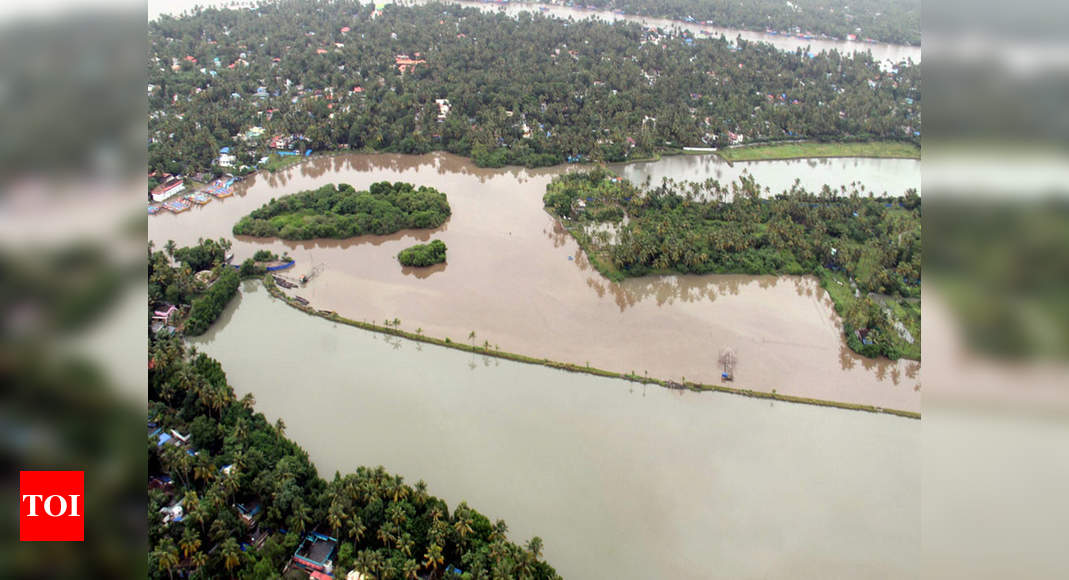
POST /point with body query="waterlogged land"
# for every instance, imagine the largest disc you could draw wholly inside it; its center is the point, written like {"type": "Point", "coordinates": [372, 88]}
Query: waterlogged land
{"type": "Point", "coordinates": [519, 282]}
{"type": "Point", "coordinates": [565, 455]}
{"type": "Point", "coordinates": [806, 150]}
{"type": "Point", "coordinates": [857, 246]}
{"type": "Point", "coordinates": [879, 176]}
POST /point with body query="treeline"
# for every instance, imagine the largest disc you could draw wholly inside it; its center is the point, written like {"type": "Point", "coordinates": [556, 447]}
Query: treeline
{"type": "Point", "coordinates": [421, 255]}
{"type": "Point", "coordinates": [342, 212]}
{"type": "Point", "coordinates": [385, 527]}
{"type": "Point", "coordinates": [172, 271]}
{"type": "Point", "coordinates": [530, 90]}
{"type": "Point", "coordinates": [858, 245]}
{"type": "Point", "coordinates": [204, 256]}
{"type": "Point", "coordinates": [896, 22]}
{"type": "Point", "coordinates": [208, 307]}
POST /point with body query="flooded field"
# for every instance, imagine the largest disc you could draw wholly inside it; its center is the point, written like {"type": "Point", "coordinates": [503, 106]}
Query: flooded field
{"type": "Point", "coordinates": [890, 176]}
{"type": "Point", "coordinates": [520, 283]}
{"type": "Point", "coordinates": [619, 481]}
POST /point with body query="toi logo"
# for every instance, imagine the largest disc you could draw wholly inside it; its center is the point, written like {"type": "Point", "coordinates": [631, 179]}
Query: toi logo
{"type": "Point", "coordinates": [51, 506]}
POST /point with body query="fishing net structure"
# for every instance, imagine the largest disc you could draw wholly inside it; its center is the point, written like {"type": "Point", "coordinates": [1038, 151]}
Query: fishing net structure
{"type": "Point", "coordinates": [727, 362]}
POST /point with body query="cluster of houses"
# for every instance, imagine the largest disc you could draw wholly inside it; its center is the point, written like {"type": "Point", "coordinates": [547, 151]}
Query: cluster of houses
{"type": "Point", "coordinates": [407, 63]}
{"type": "Point", "coordinates": [314, 555]}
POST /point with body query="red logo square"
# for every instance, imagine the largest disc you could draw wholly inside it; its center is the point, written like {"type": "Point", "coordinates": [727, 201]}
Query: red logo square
{"type": "Point", "coordinates": [51, 506]}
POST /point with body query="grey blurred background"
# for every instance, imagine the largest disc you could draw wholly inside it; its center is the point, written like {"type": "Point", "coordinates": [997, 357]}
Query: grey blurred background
{"type": "Point", "coordinates": [996, 313]}
{"type": "Point", "coordinates": [72, 276]}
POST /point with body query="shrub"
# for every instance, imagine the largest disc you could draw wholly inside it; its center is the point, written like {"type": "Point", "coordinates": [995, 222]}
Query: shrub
{"type": "Point", "coordinates": [423, 254]}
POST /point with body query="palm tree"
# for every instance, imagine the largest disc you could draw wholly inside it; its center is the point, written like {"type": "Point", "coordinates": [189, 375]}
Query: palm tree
{"type": "Point", "coordinates": [335, 517]}
{"type": "Point", "coordinates": [535, 547]}
{"type": "Point", "coordinates": [198, 560]}
{"type": "Point", "coordinates": [433, 558]}
{"type": "Point", "coordinates": [301, 517]}
{"type": "Point", "coordinates": [248, 401]}
{"type": "Point", "coordinates": [356, 528]}
{"type": "Point", "coordinates": [190, 542]}
{"type": "Point", "coordinates": [410, 569]}
{"type": "Point", "coordinates": [231, 553]}
{"type": "Point", "coordinates": [203, 470]}
{"type": "Point", "coordinates": [167, 556]}
{"type": "Point", "coordinates": [463, 521]}
{"type": "Point", "coordinates": [280, 427]}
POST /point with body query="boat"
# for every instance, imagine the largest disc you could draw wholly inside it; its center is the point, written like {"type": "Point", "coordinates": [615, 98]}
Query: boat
{"type": "Point", "coordinates": [177, 205]}
{"type": "Point", "coordinates": [199, 198]}
{"type": "Point", "coordinates": [283, 282]}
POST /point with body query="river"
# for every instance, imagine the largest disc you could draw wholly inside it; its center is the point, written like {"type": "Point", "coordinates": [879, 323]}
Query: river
{"type": "Point", "coordinates": [618, 480]}
{"type": "Point", "coordinates": [520, 282]}
{"type": "Point", "coordinates": [881, 52]}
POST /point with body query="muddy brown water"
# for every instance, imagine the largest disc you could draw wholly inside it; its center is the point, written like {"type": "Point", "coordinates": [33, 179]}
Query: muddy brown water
{"type": "Point", "coordinates": [519, 282]}
{"type": "Point", "coordinates": [620, 481]}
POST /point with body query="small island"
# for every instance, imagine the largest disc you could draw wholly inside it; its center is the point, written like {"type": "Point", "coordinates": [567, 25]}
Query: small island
{"type": "Point", "coordinates": [343, 212]}
{"type": "Point", "coordinates": [421, 255]}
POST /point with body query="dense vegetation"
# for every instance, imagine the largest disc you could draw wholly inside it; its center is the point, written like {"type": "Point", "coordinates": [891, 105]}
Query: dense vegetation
{"type": "Point", "coordinates": [898, 21]}
{"type": "Point", "coordinates": [866, 250]}
{"type": "Point", "coordinates": [207, 308]}
{"type": "Point", "coordinates": [423, 254]}
{"type": "Point", "coordinates": [343, 212]}
{"type": "Point", "coordinates": [386, 528]}
{"type": "Point", "coordinates": [197, 280]}
{"type": "Point", "coordinates": [204, 256]}
{"type": "Point", "coordinates": [172, 280]}
{"type": "Point", "coordinates": [1000, 263]}
{"type": "Point", "coordinates": [530, 90]}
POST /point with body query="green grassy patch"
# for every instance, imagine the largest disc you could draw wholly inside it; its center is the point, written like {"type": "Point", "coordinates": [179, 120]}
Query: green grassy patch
{"type": "Point", "coordinates": [885, 149]}
{"type": "Point", "coordinates": [276, 162]}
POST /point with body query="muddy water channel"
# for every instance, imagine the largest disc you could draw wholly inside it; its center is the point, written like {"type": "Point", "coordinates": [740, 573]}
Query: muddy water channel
{"type": "Point", "coordinates": [521, 284]}
{"type": "Point", "coordinates": [881, 52]}
{"type": "Point", "coordinates": [619, 481]}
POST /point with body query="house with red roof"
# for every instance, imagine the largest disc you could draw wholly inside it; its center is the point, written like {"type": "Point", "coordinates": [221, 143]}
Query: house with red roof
{"type": "Point", "coordinates": [168, 188]}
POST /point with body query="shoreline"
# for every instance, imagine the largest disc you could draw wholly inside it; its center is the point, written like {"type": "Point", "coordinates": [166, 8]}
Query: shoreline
{"type": "Point", "coordinates": [610, 273]}
{"type": "Point", "coordinates": [275, 292]}
{"type": "Point", "coordinates": [656, 156]}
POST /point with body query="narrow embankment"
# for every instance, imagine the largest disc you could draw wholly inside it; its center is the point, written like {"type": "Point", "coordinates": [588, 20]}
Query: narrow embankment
{"type": "Point", "coordinates": [273, 289]}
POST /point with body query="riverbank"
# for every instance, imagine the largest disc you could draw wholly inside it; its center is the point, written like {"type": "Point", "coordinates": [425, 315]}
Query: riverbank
{"type": "Point", "coordinates": [812, 149]}
{"type": "Point", "coordinates": [448, 342]}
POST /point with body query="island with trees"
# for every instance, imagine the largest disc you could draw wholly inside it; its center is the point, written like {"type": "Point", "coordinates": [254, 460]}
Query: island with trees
{"type": "Point", "coordinates": [422, 255]}
{"type": "Point", "coordinates": [343, 212]}
{"type": "Point", "coordinates": [230, 90]}
{"type": "Point", "coordinates": [865, 250]}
